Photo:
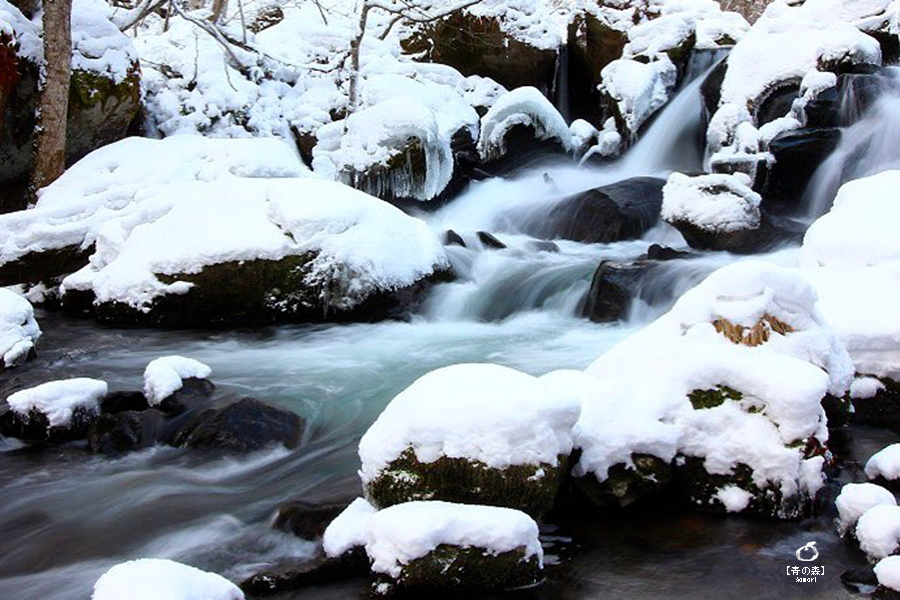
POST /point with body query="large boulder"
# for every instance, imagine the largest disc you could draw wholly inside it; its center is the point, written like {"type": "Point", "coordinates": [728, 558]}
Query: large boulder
{"type": "Point", "coordinates": [620, 211]}
{"type": "Point", "coordinates": [124, 432]}
{"type": "Point", "coordinates": [243, 426]}
{"type": "Point", "coordinates": [104, 94]}
{"type": "Point", "coordinates": [478, 434]}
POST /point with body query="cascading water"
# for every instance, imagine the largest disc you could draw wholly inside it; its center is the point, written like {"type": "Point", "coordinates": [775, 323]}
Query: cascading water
{"type": "Point", "coordinates": [869, 145]}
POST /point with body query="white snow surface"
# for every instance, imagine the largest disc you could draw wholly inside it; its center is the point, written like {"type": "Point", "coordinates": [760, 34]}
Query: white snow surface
{"type": "Point", "coordinates": [718, 203]}
{"type": "Point", "coordinates": [348, 530]}
{"type": "Point", "coordinates": [855, 499]}
{"type": "Point", "coordinates": [97, 45]}
{"type": "Point", "coordinates": [58, 400]}
{"type": "Point", "coordinates": [481, 412]}
{"type": "Point", "coordinates": [523, 106]}
{"type": "Point", "coordinates": [782, 382]}
{"type": "Point", "coordinates": [878, 531]}
{"type": "Point", "coordinates": [733, 498]}
{"type": "Point", "coordinates": [885, 463]}
{"type": "Point", "coordinates": [853, 260]}
{"type": "Point", "coordinates": [404, 532]}
{"type": "Point", "coordinates": [18, 328]}
{"type": "Point", "coordinates": [864, 388]}
{"type": "Point", "coordinates": [639, 89]}
{"type": "Point", "coordinates": [165, 375]}
{"type": "Point", "coordinates": [161, 579]}
{"type": "Point", "coordinates": [888, 572]}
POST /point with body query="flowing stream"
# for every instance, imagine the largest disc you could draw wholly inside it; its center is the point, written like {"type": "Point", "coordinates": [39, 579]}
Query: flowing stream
{"type": "Point", "coordinates": [68, 516]}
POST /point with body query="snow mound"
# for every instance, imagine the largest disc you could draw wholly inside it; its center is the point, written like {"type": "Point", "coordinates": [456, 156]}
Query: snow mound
{"type": "Point", "coordinates": [744, 355]}
{"type": "Point", "coordinates": [859, 230]}
{"type": "Point", "coordinates": [535, 22]}
{"type": "Point", "coordinates": [402, 533]}
{"type": "Point", "coordinates": [885, 463]}
{"type": "Point", "coordinates": [348, 530]}
{"type": "Point", "coordinates": [888, 572]}
{"type": "Point", "coordinates": [18, 329]}
{"type": "Point", "coordinates": [58, 400]}
{"type": "Point", "coordinates": [716, 203]}
{"type": "Point", "coordinates": [160, 579]}
{"type": "Point", "coordinates": [852, 257]}
{"type": "Point", "coordinates": [113, 181]}
{"type": "Point", "coordinates": [638, 88]}
{"type": "Point", "coordinates": [878, 531]}
{"type": "Point", "coordinates": [377, 136]}
{"type": "Point", "coordinates": [164, 376]}
{"type": "Point", "coordinates": [480, 412]}
{"type": "Point", "coordinates": [857, 498]}
{"type": "Point", "coordinates": [525, 106]}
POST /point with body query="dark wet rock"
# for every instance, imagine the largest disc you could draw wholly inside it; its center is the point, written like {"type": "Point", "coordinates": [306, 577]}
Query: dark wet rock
{"type": "Point", "coordinates": [711, 89]}
{"type": "Point", "coordinates": [43, 266]}
{"type": "Point", "coordinates": [529, 488]}
{"type": "Point", "coordinates": [192, 393]}
{"type": "Point", "coordinates": [542, 246]}
{"type": "Point", "coordinates": [243, 426]}
{"type": "Point", "coordinates": [592, 45]}
{"type": "Point", "coordinates": [295, 574]}
{"type": "Point", "coordinates": [479, 46]}
{"type": "Point", "coordinates": [882, 409]}
{"type": "Point", "coordinates": [489, 241]}
{"type": "Point", "coordinates": [658, 252]}
{"type": "Point", "coordinates": [838, 410]}
{"type": "Point", "coordinates": [824, 110]}
{"type": "Point", "coordinates": [621, 211]}
{"type": "Point", "coordinates": [34, 428]}
{"type": "Point", "coordinates": [797, 155]}
{"type": "Point", "coordinates": [860, 579]}
{"type": "Point", "coordinates": [451, 238]}
{"type": "Point", "coordinates": [520, 145]}
{"type": "Point", "coordinates": [123, 432]}
{"type": "Point", "coordinates": [305, 519]}
{"type": "Point", "coordinates": [626, 484]}
{"type": "Point", "coordinates": [250, 292]}
{"type": "Point", "coordinates": [777, 103]}
{"type": "Point", "coordinates": [773, 232]}
{"type": "Point", "coordinates": [450, 567]}
{"type": "Point", "coordinates": [117, 402]}
{"type": "Point", "coordinates": [613, 288]}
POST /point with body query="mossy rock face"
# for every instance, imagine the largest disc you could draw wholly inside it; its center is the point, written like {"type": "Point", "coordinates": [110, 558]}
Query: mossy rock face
{"type": "Point", "coordinates": [100, 111]}
{"type": "Point", "coordinates": [249, 293]}
{"type": "Point", "coordinates": [529, 488]}
{"type": "Point", "coordinates": [36, 267]}
{"type": "Point", "coordinates": [700, 488]}
{"type": "Point", "coordinates": [463, 568]}
{"type": "Point", "coordinates": [35, 428]}
{"type": "Point", "coordinates": [625, 484]}
{"type": "Point", "coordinates": [478, 46]}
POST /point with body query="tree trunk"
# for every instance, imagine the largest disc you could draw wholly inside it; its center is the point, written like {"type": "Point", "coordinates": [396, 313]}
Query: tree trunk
{"type": "Point", "coordinates": [355, 44]}
{"type": "Point", "coordinates": [53, 106]}
{"type": "Point", "coordinates": [218, 10]}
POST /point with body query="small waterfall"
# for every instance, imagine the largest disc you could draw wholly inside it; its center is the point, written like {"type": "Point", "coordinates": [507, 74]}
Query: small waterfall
{"type": "Point", "coordinates": [870, 145]}
{"type": "Point", "coordinates": [674, 140]}
{"type": "Point", "coordinates": [561, 90]}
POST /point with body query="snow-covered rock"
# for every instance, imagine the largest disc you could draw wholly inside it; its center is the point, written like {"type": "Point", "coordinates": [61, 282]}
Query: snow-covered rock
{"type": "Point", "coordinates": [164, 376]}
{"type": "Point", "coordinates": [857, 498]}
{"type": "Point", "coordinates": [743, 356]}
{"type": "Point", "coordinates": [638, 88]}
{"type": "Point", "coordinates": [105, 82]}
{"type": "Point", "coordinates": [445, 545]}
{"type": "Point", "coordinates": [885, 463]}
{"type": "Point", "coordinates": [161, 579]}
{"type": "Point", "coordinates": [878, 531]}
{"type": "Point", "coordinates": [522, 107]}
{"type": "Point", "coordinates": [788, 46]}
{"type": "Point", "coordinates": [53, 412]}
{"type": "Point", "coordinates": [348, 530]}
{"type": "Point", "coordinates": [479, 433]}
{"type": "Point", "coordinates": [853, 260]}
{"type": "Point", "coordinates": [888, 573]}
{"type": "Point", "coordinates": [18, 329]}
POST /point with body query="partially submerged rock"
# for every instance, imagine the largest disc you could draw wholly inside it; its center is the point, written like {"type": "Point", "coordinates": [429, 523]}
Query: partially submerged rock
{"type": "Point", "coordinates": [243, 426]}
{"type": "Point", "coordinates": [857, 498]}
{"type": "Point", "coordinates": [57, 411]}
{"type": "Point", "coordinates": [478, 434]}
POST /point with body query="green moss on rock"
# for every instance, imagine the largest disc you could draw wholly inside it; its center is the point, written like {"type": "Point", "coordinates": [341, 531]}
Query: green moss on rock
{"type": "Point", "coordinates": [44, 266]}
{"type": "Point", "coordinates": [626, 484]}
{"type": "Point", "coordinates": [463, 568]}
{"type": "Point", "coordinates": [529, 488]}
{"type": "Point", "coordinates": [703, 399]}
